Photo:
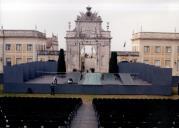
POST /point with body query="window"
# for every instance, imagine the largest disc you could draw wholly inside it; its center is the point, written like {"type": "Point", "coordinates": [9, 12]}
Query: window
{"type": "Point", "coordinates": [42, 59]}
{"type": "Point", "coordinates": [167, 63]}
{"type": "Point", "coordinates": [103, 60]}
{"type": "Point", "coordinates": [146, 61]}
{"type": "Point", "coordinates": [8, 61]}
{"type": "Point", "coordinates": [8, 47]}
{"type": "Point", "coordinates": [134, 60]}
{"type": "Point", "coordinates": [44, 47]}
{"type": "Point", "coordinates": [18, 60]}
{"type": "Point", "coordinates": [168, 49]}
{"type": "Point", "coordinates": [157, 49]}
{"type": "Point", "coordinates": [146, 49]}
{"type": "Point", "coordinates": [29, 60]}
{"type": "Point", "coordinates": [18, 47]}
{"type": "Point", "coordinates": [177, 65]}
{"type": "Point", "coordinates": [29, 47]}
{"type": "Point", "coordinates": [157, 62]}
{"type": "Point", "coordinates": [134, 48]}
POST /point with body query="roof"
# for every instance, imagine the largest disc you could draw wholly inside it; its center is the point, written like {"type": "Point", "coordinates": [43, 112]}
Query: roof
{"type": "Point", "coordinates": [22, 33]}
{"type": "Point", "coordinates": [155, 36]}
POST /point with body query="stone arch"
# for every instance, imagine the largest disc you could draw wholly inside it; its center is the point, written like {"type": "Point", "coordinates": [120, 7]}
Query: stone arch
{"type": "Point", "coordinates": [88, 32]}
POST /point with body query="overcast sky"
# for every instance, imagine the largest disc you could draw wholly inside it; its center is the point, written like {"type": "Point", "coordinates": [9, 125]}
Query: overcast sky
{"type": "Point", "coordinates": [125, 16]}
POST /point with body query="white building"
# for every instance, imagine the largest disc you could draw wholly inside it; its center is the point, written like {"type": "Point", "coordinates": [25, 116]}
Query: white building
{"type": "Point", "coordinates": [22, 46]}
{"type": "Point", "coordinates": [158, 48]}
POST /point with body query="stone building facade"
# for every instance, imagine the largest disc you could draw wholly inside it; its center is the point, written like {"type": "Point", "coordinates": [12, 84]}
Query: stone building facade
{"type": "Point", "coordinates": [129, 56]}
{"type": "Point", "coordinates": [88, 44]}
{"type": "Point", "coordinates": [48, 55]}
{"type": "Point", "coordinates": [51, 52]}
{"type": "Point", "coordinates": [158, 48]}
{"type": "Point", "coordinates": [22, 46]}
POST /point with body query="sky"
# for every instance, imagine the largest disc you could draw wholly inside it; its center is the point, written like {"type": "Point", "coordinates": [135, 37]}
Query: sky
{"type": "Point", "coordinates": [125, 17]}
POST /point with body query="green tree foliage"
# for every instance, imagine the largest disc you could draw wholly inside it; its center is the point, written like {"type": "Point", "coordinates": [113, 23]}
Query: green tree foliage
{"type": "Point", "coordinates": [61, 62]}
{"type": "Point", "coordinates": [113, 67]}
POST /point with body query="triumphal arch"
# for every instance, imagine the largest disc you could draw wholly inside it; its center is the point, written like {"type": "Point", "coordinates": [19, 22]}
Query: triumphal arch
{"type": "Point", "coordinates": [88, 44]}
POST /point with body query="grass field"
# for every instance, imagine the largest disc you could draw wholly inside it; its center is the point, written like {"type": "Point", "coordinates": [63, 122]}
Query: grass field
{"type": "Point", "coordinates": [88, 98]}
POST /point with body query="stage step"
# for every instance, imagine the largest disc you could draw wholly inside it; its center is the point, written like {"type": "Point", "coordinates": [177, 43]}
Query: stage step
{"type": "Point", "coordinates": [92, 78]}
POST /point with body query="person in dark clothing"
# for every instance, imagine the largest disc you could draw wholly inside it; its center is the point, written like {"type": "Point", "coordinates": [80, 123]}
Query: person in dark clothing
{"type": "Point", "coordinates": [52, 86]}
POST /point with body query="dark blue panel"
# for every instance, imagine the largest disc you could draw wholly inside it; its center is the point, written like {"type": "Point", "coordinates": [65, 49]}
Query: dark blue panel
{"type": "Point", "coordinates": [31, 70]}
{"type": "Point", "coordinates": [90, 89]}
{"type": "Point", "coordinates": [175, 80]}
{"type": "Point", "coordinates": [13, 74]}
{"type": "Point", "coordinates": [150, 73]}
{"type": "Point", "coordinates": [1, 78]}
{"type": "Point", "coordinates": [24, 72]}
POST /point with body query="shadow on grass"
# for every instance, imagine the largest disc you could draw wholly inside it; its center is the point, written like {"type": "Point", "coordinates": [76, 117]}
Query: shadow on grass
{"type": "Point", "coordinates": [175, 90]}
{"type": "Point", "coordinates": [1, 88]}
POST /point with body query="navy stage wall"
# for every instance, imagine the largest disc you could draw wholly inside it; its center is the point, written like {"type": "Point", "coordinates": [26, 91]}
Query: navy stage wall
{"type": "Point", "coordinates": [89, 89]}
{"type": "Point", "coordinates": [175, 81]}
{"type": "Point", "coordinates": [15, 76]}
{"type": "Point", "coordinates": [24, 72]}
{"type": "Point", "coordinates": [1, 78]}
{"type": "Point", "coordinates": [150, 73]}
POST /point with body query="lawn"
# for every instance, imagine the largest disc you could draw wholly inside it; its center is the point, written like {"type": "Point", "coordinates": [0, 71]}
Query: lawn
{"type": "Point", "coordinates": [88, 98]}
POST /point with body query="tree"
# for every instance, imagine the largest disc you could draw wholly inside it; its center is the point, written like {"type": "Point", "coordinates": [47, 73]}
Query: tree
{"type": "Point", "coordinates": [61, 62]}
{"type": "Point", "coordinates": [113, 67]}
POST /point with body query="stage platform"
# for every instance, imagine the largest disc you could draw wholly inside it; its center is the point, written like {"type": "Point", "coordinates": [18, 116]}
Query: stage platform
{"type": "Point", "coordinates": [92, 79]}
{"type": "Point", "coordinates": [132, 79]}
